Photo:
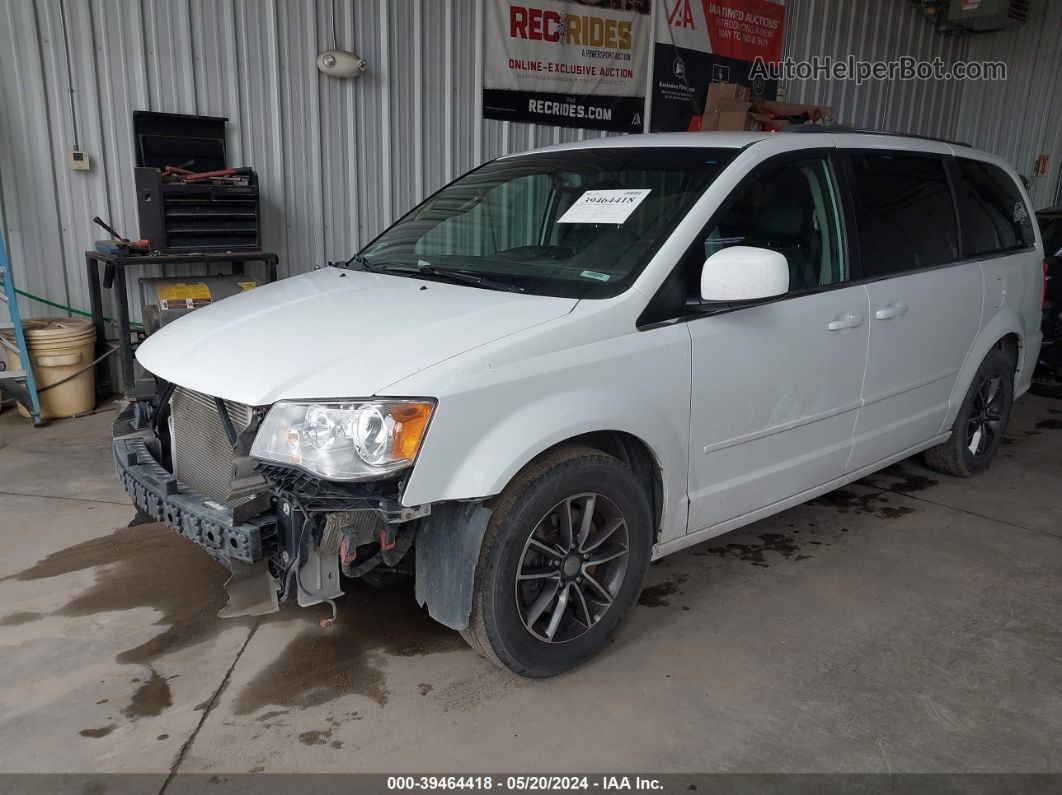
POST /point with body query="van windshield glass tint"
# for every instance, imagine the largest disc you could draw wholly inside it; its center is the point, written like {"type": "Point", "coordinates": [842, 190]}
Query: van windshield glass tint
{"type": "Point", "coordinates": [579, 224]}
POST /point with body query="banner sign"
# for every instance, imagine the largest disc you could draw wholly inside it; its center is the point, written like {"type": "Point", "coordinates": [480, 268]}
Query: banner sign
{"type": "Point", "coordinates": [745, 29]}
{"type": "Point", "coordinates": [704, 41]}
{"type": "Point", "coordinates": [569, 64]}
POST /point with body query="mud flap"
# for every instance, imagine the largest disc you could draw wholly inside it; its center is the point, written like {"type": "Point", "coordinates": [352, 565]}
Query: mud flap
{"type": "Point", "coordinates": [447, 547]}
{"type": "Point", "coordinates": [252, 590]}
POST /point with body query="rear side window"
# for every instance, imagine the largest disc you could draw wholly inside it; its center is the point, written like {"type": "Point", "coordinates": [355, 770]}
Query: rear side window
{"type": "Point", "coordinates": [994, 216]}
{"type": "Point", "coordinates": [904, 213]}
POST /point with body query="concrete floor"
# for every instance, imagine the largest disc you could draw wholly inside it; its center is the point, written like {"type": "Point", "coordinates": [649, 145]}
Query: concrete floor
{"type": "Point", "coordinates": [908, 623]}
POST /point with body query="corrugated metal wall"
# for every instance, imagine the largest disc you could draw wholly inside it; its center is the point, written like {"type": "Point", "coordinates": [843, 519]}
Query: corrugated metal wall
{"type": "Point", "coordinates": [1017, 119]}
{"type": "Point", "coordinates": [339, 159]}
{"type": "Point", "coordinates": [1021, 118]}
{"type": "Point", "coordinates": [875, 30]}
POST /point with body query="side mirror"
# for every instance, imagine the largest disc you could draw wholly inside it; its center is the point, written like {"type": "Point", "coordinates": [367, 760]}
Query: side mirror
{"type": "Point", "coordinates": [744, 273]}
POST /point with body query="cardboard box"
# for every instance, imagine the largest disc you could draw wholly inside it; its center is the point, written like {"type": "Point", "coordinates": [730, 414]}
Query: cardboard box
{"type": "Point", "coordinates": [730, 108]}
{"type": "Point", "coordinates": [734, 116]}
{"type": "Point", "coordinates": [726, 107]}
{"type": "Point", "coordinates": [728, 115]}
{"type": "Point", "coordinates": [718, 92]}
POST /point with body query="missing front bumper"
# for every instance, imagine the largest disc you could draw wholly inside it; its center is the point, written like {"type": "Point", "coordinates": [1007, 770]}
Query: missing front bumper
{"type": "Point", "coordinates": [210, 524]}
{"type": "Point", "coordinates": [284, 543]}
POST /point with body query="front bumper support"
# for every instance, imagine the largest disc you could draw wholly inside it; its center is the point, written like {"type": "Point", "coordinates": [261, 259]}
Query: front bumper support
{"type": "Point", "coordinates": [209, 524]}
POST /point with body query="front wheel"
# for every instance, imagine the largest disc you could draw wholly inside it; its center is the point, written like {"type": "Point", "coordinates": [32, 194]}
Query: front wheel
{"type": "Point", "coordinates": [981, 422]}
{"type": "Point", "coordinates": [562, 563]}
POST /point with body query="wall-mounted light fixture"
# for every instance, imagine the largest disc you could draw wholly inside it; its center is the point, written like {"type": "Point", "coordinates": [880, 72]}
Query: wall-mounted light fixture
{"type": "Point", "coordinates": [340, 63]}
{"type": "Point", "coordinates": [336, 62]}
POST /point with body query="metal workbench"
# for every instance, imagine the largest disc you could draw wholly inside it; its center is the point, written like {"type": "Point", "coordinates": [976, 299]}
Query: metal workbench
{"type": "Point", "coordinates": [114, 267]}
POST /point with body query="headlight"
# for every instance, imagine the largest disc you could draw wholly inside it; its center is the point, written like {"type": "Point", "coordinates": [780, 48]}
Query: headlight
{"type": "Point", "coordinates": [347, 440]}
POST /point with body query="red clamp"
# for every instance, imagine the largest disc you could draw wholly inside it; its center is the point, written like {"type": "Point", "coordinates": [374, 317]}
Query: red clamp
{"type": "Point", "coordinates": [343, 557]}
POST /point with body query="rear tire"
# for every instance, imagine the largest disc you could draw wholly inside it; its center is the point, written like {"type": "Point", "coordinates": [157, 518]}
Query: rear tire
{"type": "Point", "coordinates": [981, 422]}
{"type": "Point", "coordinates": [550, 591]}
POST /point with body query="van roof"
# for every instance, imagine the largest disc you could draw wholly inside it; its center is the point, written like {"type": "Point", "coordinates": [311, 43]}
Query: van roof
{"type": "Point", "coordinates": [838, 129]}
{"type": "Point", "coordinates": [739, 140]}
{"type": "Point", "coordinates": [814, 136]}
{"type": "Point", "coordinates": [718, 140]}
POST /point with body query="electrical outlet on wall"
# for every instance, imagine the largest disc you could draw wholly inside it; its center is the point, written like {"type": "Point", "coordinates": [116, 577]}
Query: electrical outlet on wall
{"type": "Point", "coordinates": [78, 160]}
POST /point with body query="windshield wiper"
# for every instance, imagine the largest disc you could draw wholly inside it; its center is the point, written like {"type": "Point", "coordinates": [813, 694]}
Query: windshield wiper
{"type": "Point", "coordinates": [458, 277]}
{"type": "Point", "coordinates": [355, 259]}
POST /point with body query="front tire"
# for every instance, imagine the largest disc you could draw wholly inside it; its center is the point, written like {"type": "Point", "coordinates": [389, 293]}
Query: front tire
{"type": "Point", "coordinates": [981, 422]}
{"type": "Point", "coordinates": [562, 563]}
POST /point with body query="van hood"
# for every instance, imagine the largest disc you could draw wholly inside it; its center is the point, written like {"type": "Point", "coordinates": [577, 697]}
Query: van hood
{"type": "Point", "coordinates": [334, 333]}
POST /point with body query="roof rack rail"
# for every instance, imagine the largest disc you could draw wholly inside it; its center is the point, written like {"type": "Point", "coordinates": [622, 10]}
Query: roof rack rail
{"type": "Point", "coordinates": [840, 128]}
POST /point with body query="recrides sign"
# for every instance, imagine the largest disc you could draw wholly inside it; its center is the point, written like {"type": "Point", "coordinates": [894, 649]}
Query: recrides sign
{"type": "Point", "coordinates": [569, 64]}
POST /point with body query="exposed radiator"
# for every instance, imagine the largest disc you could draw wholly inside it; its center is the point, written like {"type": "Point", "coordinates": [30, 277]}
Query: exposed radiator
{"type": "Point", "coordinates": [202, 456]}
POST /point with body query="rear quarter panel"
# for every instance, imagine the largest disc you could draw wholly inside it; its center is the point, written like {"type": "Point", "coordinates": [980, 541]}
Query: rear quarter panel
{"type": "Point", "coordinates": [1012, 303]}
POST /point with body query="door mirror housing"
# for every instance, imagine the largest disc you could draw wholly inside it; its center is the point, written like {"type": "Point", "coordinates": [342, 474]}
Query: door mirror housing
{"type": "Point", "coordinates": [744, 273]}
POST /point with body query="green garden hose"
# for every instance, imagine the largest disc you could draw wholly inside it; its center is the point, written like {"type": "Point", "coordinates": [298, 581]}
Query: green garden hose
{"type": "Point", "coordinates": [65, 308]}
{"type": "Point", "coordinates": [72, 311]}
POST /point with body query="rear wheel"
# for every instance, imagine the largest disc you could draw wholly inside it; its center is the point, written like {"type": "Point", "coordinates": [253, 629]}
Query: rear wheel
{"type": "Point", "coordinates": [562, 563]}
{"type": "Point", "coordinates": [981, 422]}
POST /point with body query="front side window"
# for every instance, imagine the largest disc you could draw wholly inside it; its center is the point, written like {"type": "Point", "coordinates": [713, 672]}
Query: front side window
{"type": "Point", "coordinates": [904, 213]}
{"type": "Point", "coordinates": [793, 209]}
{"type": "Point", "coordinates": [581, 223]}
{"type": "Point", "coordinates": [994, 216]}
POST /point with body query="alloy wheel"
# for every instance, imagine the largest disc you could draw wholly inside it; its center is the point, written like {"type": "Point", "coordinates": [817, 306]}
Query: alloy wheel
{"type": "Point", "coordinates": [572, 567]}
{"type": "Point", "coordinates": [986, 416]}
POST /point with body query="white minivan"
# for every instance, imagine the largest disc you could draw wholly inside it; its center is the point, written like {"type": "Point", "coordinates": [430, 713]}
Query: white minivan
{"type": "Point", "coordinates": [573, 361]}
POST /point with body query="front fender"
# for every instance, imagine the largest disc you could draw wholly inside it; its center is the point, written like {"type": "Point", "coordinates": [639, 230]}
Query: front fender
{"type": "Point", "coordinates": [504, 416]}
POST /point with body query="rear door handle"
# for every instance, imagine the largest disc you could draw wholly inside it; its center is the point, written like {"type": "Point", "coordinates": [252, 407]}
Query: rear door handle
{"type": "Point", "coordinates": [894, 309]}
{"type": "Point", "coordinates": [848, 321]}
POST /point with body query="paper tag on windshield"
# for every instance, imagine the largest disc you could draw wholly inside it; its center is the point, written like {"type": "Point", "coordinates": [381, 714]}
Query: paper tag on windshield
{"type": "Point", "coordinates": [601, 277]}
{"type": "Point", "coordinates": [604, 206]}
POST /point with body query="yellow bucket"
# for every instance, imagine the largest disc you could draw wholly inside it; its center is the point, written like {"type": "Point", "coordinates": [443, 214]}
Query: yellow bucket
{"type": "Point", "coordinates": [58, 348]}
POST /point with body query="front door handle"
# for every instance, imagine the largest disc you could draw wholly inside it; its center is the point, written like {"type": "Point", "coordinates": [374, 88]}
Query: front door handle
{"type": "Point", "coordinates": [894, 309]}
{"type": "Point", "coordinates": [848, 321]}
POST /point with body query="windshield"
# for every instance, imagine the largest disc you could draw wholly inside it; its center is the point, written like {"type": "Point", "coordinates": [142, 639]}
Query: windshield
{"type": "Point", "coordinates": [576, 224]}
